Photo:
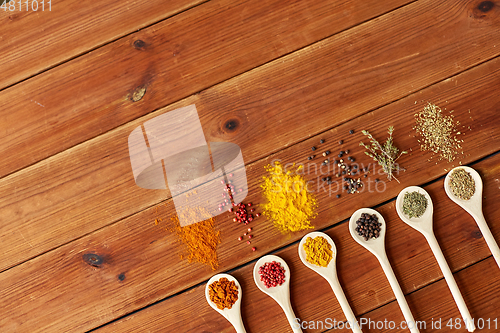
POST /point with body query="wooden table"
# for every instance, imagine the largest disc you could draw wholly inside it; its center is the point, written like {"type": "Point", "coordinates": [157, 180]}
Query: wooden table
{"type": "Point", "coordinates": [273, 77]}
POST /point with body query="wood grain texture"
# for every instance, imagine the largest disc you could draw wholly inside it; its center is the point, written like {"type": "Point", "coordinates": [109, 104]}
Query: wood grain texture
{"type": "Point", "coordinates": [183, 55]}
{"type": "Point", "coordinates": [38, 40]}
{"type": "Point", "coordinates": [361, 276]}
{"type": "Point", "coordinates": [90, 186]}
{"type": "Point", "coordinates": [480, 288]}
{"type": "Point", "coordinates": [387, 57]}
{"type": "Point", "coordinates": [148, 256]}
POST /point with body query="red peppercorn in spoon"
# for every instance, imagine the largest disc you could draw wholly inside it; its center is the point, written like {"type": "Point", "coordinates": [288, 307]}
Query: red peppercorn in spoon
{"type": "Point", "coordinates": [276, 285]}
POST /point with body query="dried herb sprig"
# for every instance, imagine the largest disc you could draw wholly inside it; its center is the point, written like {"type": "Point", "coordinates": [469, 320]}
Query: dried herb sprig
{"type": "Point", "coordinates": [385, 155]}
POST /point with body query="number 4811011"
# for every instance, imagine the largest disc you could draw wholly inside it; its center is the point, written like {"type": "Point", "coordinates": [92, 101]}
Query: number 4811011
{"type": "Point", "coordinates": [27, 5]}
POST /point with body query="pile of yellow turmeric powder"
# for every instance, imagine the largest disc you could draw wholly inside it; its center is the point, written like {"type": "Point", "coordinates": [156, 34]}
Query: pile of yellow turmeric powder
{"type": "Point", "coordinates": [289, 204]}
{"type": "Point", "coordinates": [318, 251]}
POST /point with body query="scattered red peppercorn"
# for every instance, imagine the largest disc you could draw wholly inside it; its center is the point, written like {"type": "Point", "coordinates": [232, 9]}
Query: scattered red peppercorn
{"type": "Point", "coordinates": [248, 242]}
{"type": "Point", "coordinates": [253, 249]}
{"type": "Point", "coordinates": [240, 238]}
{"type": "Point", "coordinates": [250, 236]}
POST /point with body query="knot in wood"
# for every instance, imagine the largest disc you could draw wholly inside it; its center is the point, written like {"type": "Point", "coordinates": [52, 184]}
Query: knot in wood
{"type": "Point", "coordinates": [486, 6]}
{"type": "Point", "coordinates": [139, 44]}
{"type": "Point", "coordinates": [138, 94]}
{"type": "Point", "coordinates": [93, 259]}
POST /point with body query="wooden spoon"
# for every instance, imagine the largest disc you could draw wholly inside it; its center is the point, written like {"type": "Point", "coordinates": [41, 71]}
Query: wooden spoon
{"type": "Point", "coordinates": [423, 224]}
{"type": "Point", "coordinates": [281, 294]}
{"type": "Point", "coordinates": [233, 315]}
{"type": "Point", "coordinates": [377, 248]}
{"type": "Point", "coordinates": [474, 206]}
{"type": "Point", "coordinates": [330, 274]}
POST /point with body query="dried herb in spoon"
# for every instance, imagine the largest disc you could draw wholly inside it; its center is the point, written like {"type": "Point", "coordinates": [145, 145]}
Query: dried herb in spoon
{"type": "Point", "coordinates": [385, 155]}
{"type": "Point", "coordinates": [414, 204]}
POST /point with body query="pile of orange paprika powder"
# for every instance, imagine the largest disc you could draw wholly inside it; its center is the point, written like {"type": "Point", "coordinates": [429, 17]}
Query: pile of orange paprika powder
{"type": "Point", "coordinates": [199, 240]}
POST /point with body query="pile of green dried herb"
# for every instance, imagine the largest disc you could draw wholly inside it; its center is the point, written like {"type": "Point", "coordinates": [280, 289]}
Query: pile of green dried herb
{"type": "Point", "coordinates": [438, 132]}
{"type": "Point", "coordinates": [385, 155]}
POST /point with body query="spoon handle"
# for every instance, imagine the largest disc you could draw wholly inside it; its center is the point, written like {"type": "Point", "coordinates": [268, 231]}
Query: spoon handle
{"type": "Point", "coordinates": [344, 304]}
{"type": "Point", "coordinates": [238, 325]}
{"type": "Point", "coordinates": [287, 308]}
{"type": "Point", "coordinates": [450, 280]}
{"type": "Point", "coordinates": [400, 297]}
{"type": "Point", "coordinates": [488, 236]}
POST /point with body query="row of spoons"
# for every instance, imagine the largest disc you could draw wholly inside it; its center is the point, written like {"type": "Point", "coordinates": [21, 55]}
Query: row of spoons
{"type": "Point", "coordinates": [423, 224]}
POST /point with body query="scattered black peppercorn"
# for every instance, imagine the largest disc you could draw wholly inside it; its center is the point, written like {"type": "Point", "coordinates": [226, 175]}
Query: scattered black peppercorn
{"type": "Point", "coordinates": [341, 142]}
{"type": "Point", "coordinates": [338, 195]}
{"type": "Point", "coordinates": [321, 141]}
{"type": "Point", "coordinates": [351, 132]}
{"type": "Point", "coordinates": [353, 185]}
{"type": "Point", "coordinates": [313, 148]}
{"type": "Point", "coordinates": [377, 180]}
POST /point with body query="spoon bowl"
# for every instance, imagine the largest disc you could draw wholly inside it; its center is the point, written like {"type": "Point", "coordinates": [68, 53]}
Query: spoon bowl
{"type": "Point", "coordinates": [281, 293]}
{"type": "Point", "coordinates": [233, 315]}
{"type": "Point", "coordinates": [330, 274]}
{"type": "Point", "coordinates": [375, 246]}
{"type": "Point", "coordinates": [474, 207]}
{"type": "Point", "coordinates": [423, 224]}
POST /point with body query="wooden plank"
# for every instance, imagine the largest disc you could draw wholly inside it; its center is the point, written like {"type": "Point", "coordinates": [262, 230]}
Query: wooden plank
{"type": "Point", "coordinates": [59, 31]}
{"type": "Point", "coordinates": [91, 185]}
{"type": "Point", "coordinates": [360, 274]}
{"type": "Point", "coordinates": [480, 287]}
{"type": "Point", "coordinates": [148, 257]}
{"type": "Point", "coordinates": [183, 55]}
